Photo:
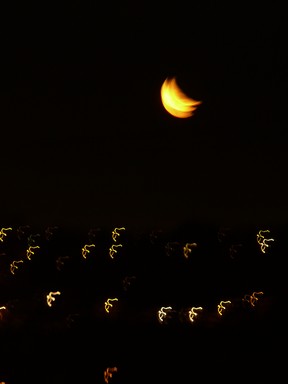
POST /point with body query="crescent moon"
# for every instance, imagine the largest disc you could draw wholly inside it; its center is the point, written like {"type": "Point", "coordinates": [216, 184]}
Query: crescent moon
{"type": "Point", "coordinates": [175, 101]}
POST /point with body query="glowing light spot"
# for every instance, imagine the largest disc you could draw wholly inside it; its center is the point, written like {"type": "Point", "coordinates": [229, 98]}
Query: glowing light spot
{"type": "Point", "coordinates": [187, 249]}
{"type": "Point", "coordinates": [193, 314]}
{"type": "Point", "coordinates": [2, 233]}
{"type": "Point", "coordinates": [85, 250]}
{"type": "Point", "coordinates": [108, 304]}
{"type": "Point", "coordinates": [14, 265]}
{"type": "Point", "coordinates": [30, 251]}
{"type": "Point", "coordinates": [115, 233]}
{"type": "Point", "coordinates": [175, 101]}
{"type": "Point", "coordinates": [262, 241]}
{"type": "Point", "coordinates": [112, 250]}
{"type": "Point", "coordinates": [163, 312]}
{"type": "Point", "coordinates": [50, 297]}
{"type": "Point", "coordinates": [252, 298]}
{"type": "Point", "coordinates": [108, 373]}
{"type": "Point", "coordinates": [221, 306]}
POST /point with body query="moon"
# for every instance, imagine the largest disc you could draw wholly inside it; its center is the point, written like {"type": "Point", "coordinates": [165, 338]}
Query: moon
{"type": "Point", "coordinates": [175, 101]}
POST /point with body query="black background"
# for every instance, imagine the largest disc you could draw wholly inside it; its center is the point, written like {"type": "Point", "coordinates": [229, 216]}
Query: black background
{"type": "Point", "coordinates": [86, 144]}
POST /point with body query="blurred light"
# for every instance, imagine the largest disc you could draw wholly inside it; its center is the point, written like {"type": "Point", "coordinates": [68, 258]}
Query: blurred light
{"type": "Point", "coordinates": [2, 233]}
{"type": "Point", "coordinates": [112, 250]}
{"type": "Point", "coordinates": [162, 314]}
{"type": "Point", "coordinates": [3, 308]}
{"type": "Point", "coordinates": [108, 373]}
{"type": "Point", "coordinates": [85, 250]}
{"type": "Point", "coordinates": [175, 101]}
{"type": "Point", "coordinates": [187, 249]}
{"type": "Point", "coordinates": [30, 252]}
{"type": "Point", "coordinates": [13, 265]}
{"type": "Point", "coordinates": [50, 297]}
{"type": "Point", "coordinates": [115, 232]}
{"type": "Point", "coordinates": [108, 304]}
{"type": "Point", "coordinates": [262, 241]}
{"type": "Point", "coordinates": [221, 306]}
{"type": "Point", "coordinates": [252, 298]}
{"type": "Point", "coordinates": [193, 314]}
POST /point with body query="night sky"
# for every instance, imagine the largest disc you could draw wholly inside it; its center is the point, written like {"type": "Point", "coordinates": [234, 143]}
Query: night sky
{"type": "Point", "coordinates": [87, 146]}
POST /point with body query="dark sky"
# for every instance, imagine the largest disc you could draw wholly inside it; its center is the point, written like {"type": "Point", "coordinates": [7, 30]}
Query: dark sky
{"type": "Point", "coordinates": [85, 139]}
{"type": "Point", "coordinates": [86, 144]}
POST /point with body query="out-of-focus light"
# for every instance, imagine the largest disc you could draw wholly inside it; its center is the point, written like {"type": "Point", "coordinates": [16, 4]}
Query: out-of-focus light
{"type": "Point", "coordinates": [30, 251]}
{"type": "Point", "coordinates": [113, 250]}
{"type": "Point", "coordinates": [3, 308]}
{"type": "Point", "coordinates": [108, 373]}
{"type": "Point", "coordinates": [192, 313]}
{"type": "Point", "coordinates": [85, 250]}
{"type": "Point", "coordinates": [108, 304]}
{"type": "Point", "coordinates": [163, 312]}
{"type": "Point", "coordinates": [175, 101]}
{"type": "Point", "coordinates": [50, 297]}
{"type": "Point", "coordinates": [3, 234]}
{"type": "Point", "coordinates": [252, 298]}
{"type": "Point", "coordinates": [14, 265]}
{"type": "Point", "coordinates": [187, 249]}
{"type": "Point", "coordinates": [115, 233]}
{"type": "Point", "coordinates": [262, 241]}
{"type": "Point", "coordinates": [221, 306]}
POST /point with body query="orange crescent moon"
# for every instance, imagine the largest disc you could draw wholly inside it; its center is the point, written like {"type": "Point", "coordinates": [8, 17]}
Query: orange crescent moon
{"type": "Point", "coordinates": [175, 101]}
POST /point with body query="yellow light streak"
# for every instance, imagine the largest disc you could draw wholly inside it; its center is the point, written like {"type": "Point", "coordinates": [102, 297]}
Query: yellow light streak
{"type": "Point", "coordinates": [187, 249]}
{"type": "Point", "coordinates": [112, 250]}
{"type": "Point", "coordinates": [115, 232]}
{"type": "Point", "coordinates": [2, 233]}
{"type": "Point", "coordinates": [30, 251]}
{"type": "Point", "coordinates": [50, 297]}
{"type": "Point", "coordinates": [262, 241]}
{"type": "Point", "coordinates": [252, 298]}
{"type": "Point", "coordinates": [108, 373]}
{"type": "Point", "coordinates": [162, 314]}
{"type": "Point", "coordinates": [14, 266]}
{"type": "Point", "coordinates": [85, 250]}
{"type": "Point", "coordinates": [108, 304]}
{"type": "Point", "coordinates": [193, 314]}
{"type": "Point", "coordinates": [221, 306]}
